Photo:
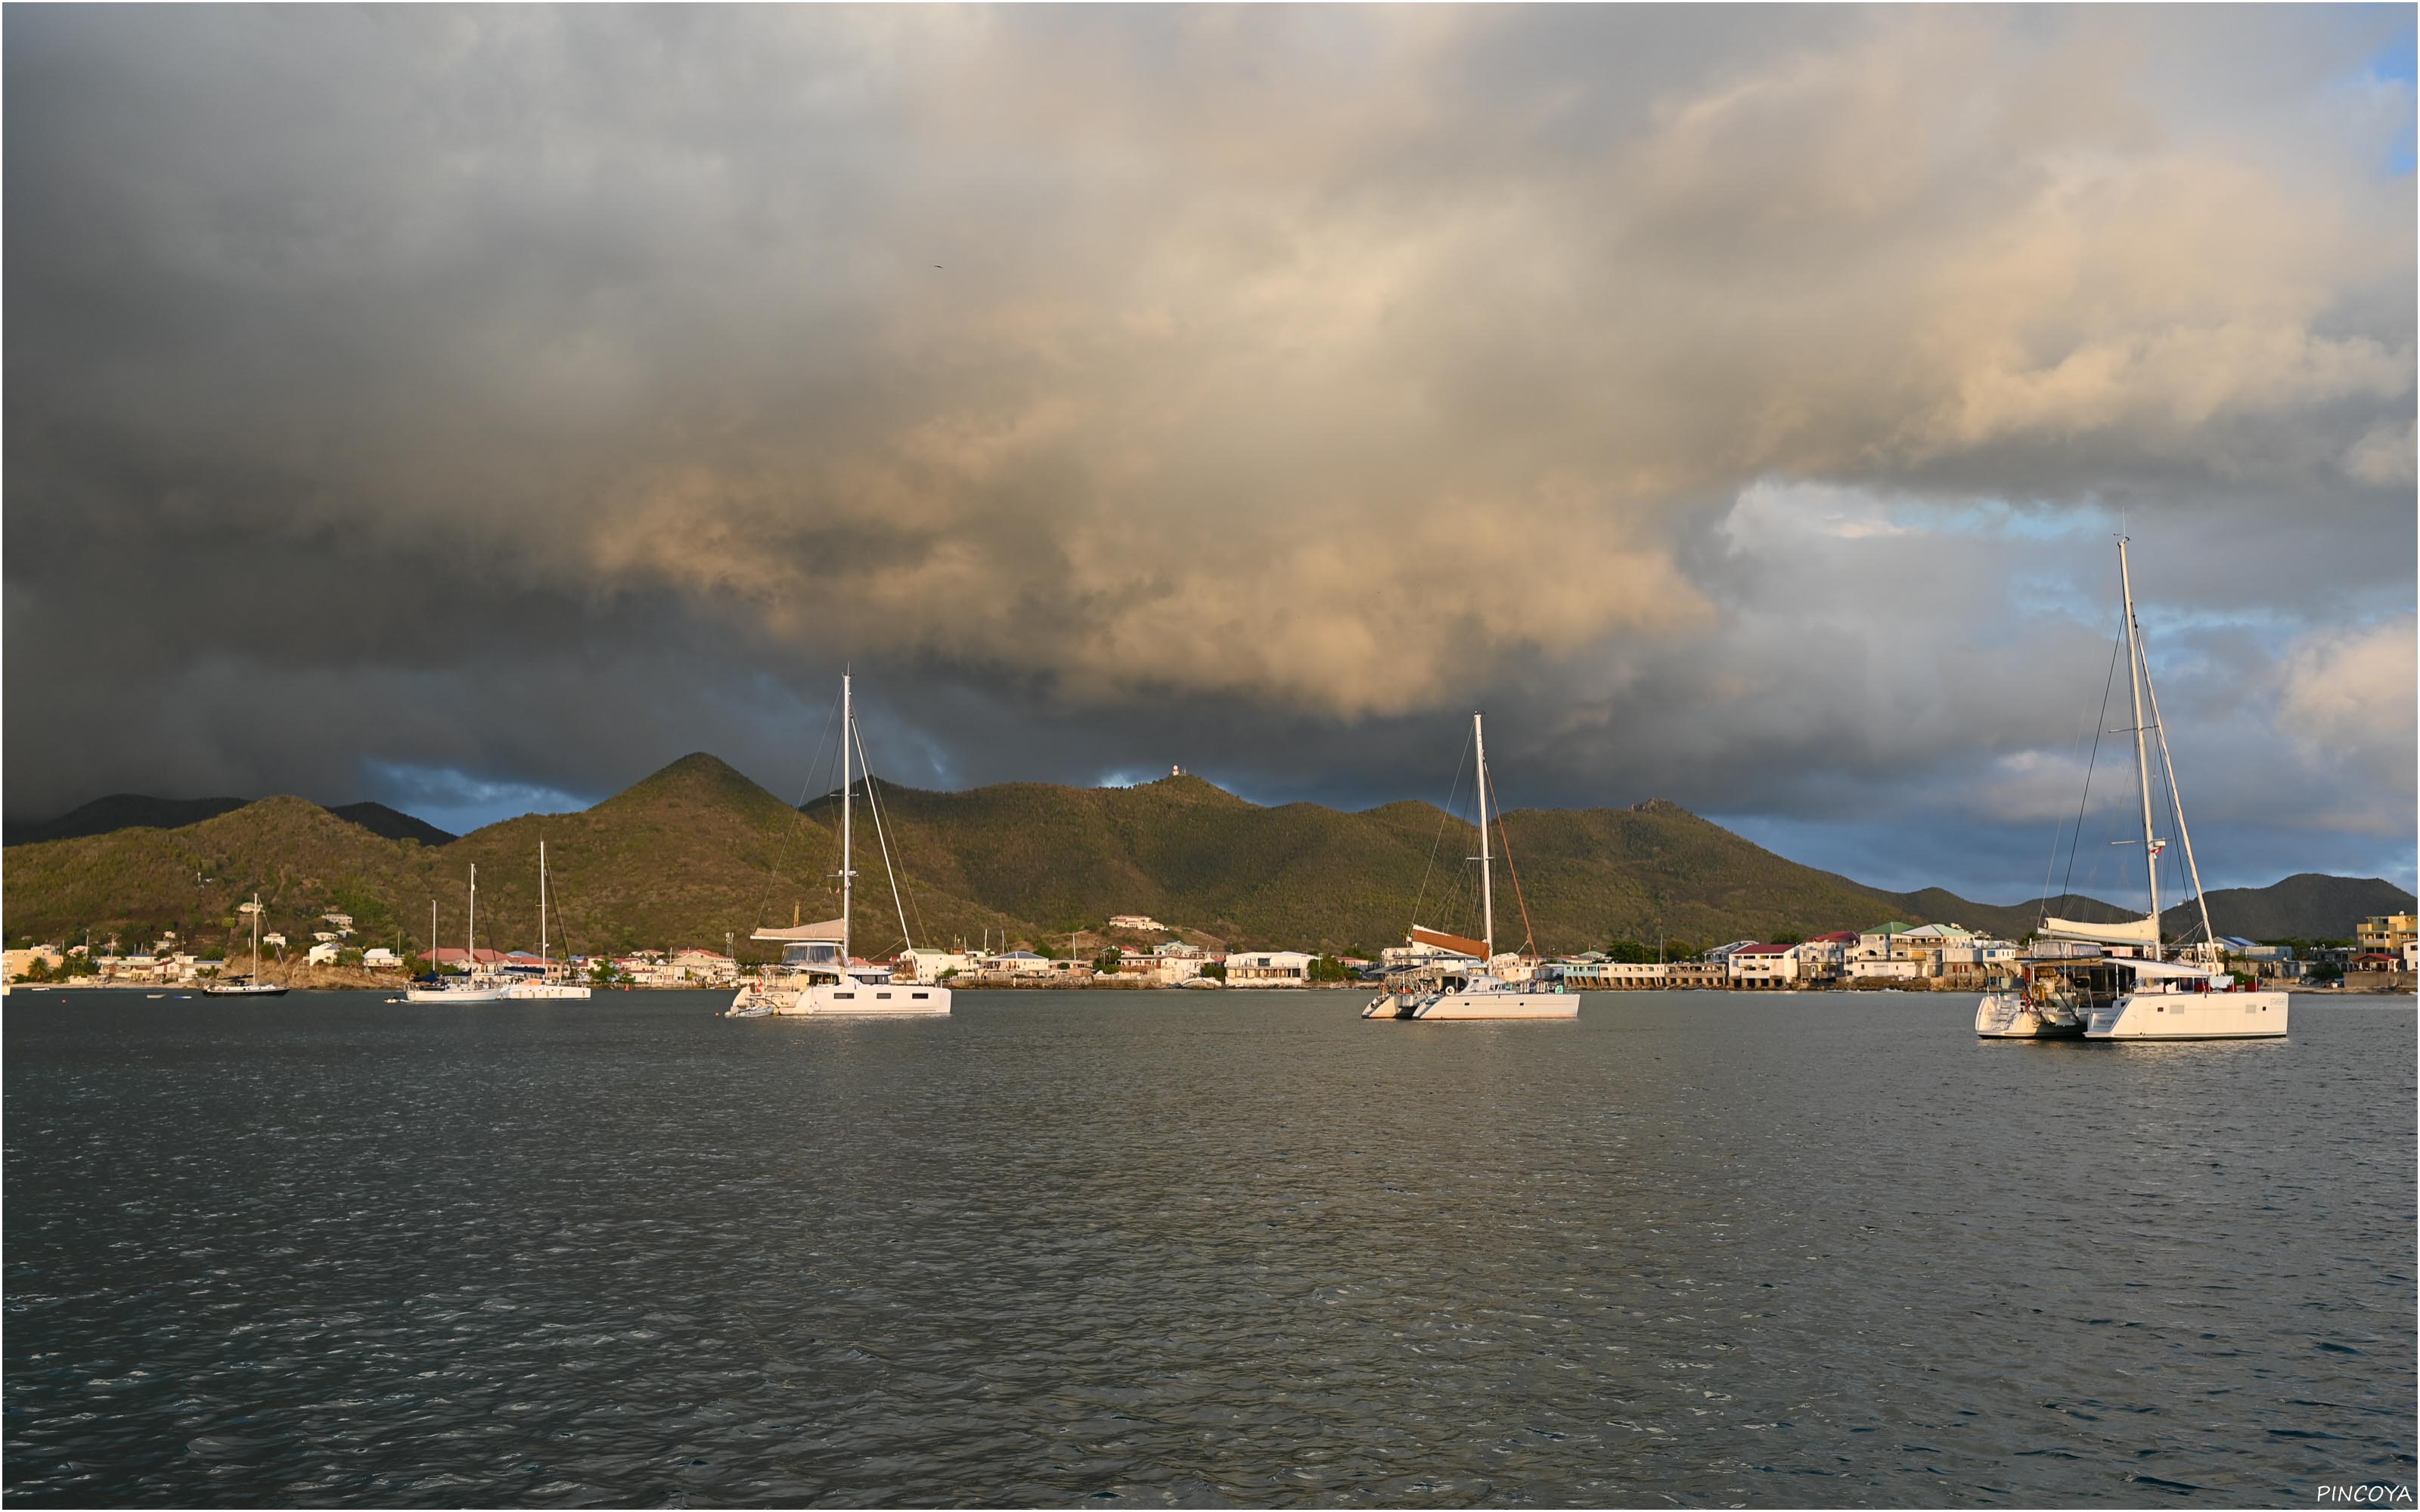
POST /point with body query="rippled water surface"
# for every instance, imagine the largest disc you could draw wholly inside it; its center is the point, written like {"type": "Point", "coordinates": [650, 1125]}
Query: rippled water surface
{"type": "Point", "coordinates": [1198, 1248]}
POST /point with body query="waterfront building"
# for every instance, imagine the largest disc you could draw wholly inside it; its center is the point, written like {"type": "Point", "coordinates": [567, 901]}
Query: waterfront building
{"type": "Point", "coordinates": [925, 965]}
{"type": "Point", "coordinates": [1884, 970]}
{"type": "Point", "coordinates": [16, 964]}
{"type": "Point", "coordinates": [1599, 974]}
{"type": "Point", "coordinates": [1268, 968]}
{"type": "Point", "coordinates": [1697, 974]}
{"type": "Point", "coordinates": [1018, 964]}
{"type": "Point", "coordinates": [2388, 933]}
{"type": "Point", "coordinates": [1175, 961]}
{"type": "Point", "coordinates": [1880, 942]}
{"type": "Point", "coordinates": [1763, 966]}
{"type": "Point", "coordinates": [693, 967]}
{"type": "Point", "coordinates": [449, 955]}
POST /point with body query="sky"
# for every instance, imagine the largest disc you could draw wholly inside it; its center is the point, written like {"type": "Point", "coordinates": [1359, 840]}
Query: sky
{"type": "Point", "coordinates": [475, 410]}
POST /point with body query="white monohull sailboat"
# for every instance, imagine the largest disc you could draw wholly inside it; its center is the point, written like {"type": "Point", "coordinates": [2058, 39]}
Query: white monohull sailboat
{"type": "Point", "coordinates": [548, 986]}
{"type": "Point", "coordinates": [251, 986]}
{"type": "Point", "coordinates": [2089, 994]}
{"type": "Point", "coordinates": [817, 975]}
{"type": "Point", "coordinates": [471, 989]}
{"type": "Point", "coordinates": [1471, 990]}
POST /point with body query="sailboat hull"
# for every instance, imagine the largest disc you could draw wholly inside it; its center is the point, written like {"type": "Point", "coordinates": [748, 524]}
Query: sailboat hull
{"type": "Point", "coordinates": [2008, 1017]}
{"type": "Point", "coordinates": [1445, 1007]}
{"type": "Point", "coordinates": [452, 995]}
{"type": "Point", "coordinates": [1500, 1006]}
{"type": "Point", "coordinates": [2192, 1016]}
{"type": "Point", "coordinates": [545, 992]}
{"type": "Point", "coordinates": [839, 1000]}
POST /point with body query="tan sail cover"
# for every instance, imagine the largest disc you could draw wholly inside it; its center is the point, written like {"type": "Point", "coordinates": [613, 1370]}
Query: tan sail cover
{"type": "Point", "coordinates": [1476, 949]}
{"type": "Point", "coordinates": [831, 930]}
{"type": "Point", "coordinates": [2132, 931]}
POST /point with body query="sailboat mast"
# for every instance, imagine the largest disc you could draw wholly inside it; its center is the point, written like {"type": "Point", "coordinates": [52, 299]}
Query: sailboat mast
{"type": "Point", "coordinates": [1486, 862]}
{"type": "Point", "coordinates": [470, 936]}
{"type": "Point", "coordinates": [542, 962]}
{"type": "Point", "coordinates": [2142, 748]}
{"type": "Point", "coordinates": [433, 937]}
{"type": "Point", "coordinates": [848, 718]}
{"type": "Point", "coordinates": [256, 937]}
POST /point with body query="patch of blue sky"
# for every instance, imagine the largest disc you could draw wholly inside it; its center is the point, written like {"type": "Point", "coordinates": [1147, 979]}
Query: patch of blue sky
{"type": "Point", "coordinates": [2267, 620]}
{"type": "Point", "coordinates": [2398, 63]}
{"type": "Point", "coordinates": [2005, 519]}
{"type": "Point", "coordinates": [454, 800]}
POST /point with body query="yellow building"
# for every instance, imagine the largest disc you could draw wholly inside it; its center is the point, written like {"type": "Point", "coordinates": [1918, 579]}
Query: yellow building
{"type": "Point", "coordinates": [2389, 932]}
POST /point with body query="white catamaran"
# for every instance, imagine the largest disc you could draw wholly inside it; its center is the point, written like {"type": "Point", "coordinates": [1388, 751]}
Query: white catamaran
{"type": "Point", "coordinates": [474, 988]}
{"type": "Point", "coordinates": [251, 986]}
{"type": "Point", "coordinates": [2090, 995]}
{"type": "Point", "coordinates": [548, 986]}
{"type": "Point", "coordinates": [817, 975]}
{"type": "Point", "coordinates": [1472, 990]}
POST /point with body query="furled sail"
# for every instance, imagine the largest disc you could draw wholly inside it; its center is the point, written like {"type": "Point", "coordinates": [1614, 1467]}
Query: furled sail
{"type": "Point", "coordinates": [831, 930]}
{"type": "Point", "coordinates": [1476, 949]}
{"type": "Point", "coordinates": [2129, 932]}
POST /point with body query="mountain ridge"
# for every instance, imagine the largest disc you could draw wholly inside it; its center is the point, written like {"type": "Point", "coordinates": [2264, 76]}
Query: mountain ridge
{"type": "Point", "coordinates": [114, 811]}
{"type": "Point", "coordinates": [696, 850]}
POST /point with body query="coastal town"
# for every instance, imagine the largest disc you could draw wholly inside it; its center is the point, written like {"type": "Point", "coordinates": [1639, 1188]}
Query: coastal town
{"type": "Point", "coordinates": [2383, 955]}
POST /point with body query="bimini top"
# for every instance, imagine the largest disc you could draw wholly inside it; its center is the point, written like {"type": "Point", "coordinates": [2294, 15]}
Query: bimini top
{"type": "Point", "coordinates": [832, 931]}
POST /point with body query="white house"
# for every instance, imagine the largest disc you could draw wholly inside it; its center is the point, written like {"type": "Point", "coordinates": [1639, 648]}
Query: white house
{"type": "Point", "coordinates": [378, 955]}
{"type": "Point", "coordinates": [1176, 961]}
{"type": "Point", "coordinates": [1765, 966]}
{"type": "Point", "coordinates": [322, 954]}
{"type": "Point", "coordinates": [1018, 964]}
{"type": "Point", "coordinates": [1886, 970]}
{"type": "Point", "coordinates": [709, 967]}
{"type": "Point", "coordinates": [1268, 968]}
{"type": "Point", "coordinates": [1879, 944]}
{"type": "Point", "coordinates": [926, 963]}
{"type": "Point", "coordinates": [1139, 922]}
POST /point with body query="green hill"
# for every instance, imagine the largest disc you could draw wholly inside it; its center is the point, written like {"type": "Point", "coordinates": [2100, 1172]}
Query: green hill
{"type": "Point", "coordinates": [697, 851]}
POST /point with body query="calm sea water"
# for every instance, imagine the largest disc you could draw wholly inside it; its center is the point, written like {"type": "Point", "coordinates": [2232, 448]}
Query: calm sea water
{"type": "Point", "coordinates": [1198, 1249]}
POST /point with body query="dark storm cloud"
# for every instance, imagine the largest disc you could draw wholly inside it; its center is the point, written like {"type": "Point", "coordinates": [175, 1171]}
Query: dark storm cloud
{"type": "Point", "coordinates": [1737, 402]}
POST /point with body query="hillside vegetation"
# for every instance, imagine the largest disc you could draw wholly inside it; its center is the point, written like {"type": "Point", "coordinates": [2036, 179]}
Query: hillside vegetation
{"type": "Point", "coordinates": [697, 851]}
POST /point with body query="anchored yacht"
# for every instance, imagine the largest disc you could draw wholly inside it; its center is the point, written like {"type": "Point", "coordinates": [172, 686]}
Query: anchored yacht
{"type": "Point", "coordinates": [548, 986]}
{"type": "Point", "coordinates": [818, 976]}
{"type": "Point", "coordinates": [2084, 992]}
{"type": "Point", "coordinates": [470, 989]}
{"type": "Point", "coordinates": [1471, 989]}
{"type": "Point", "coordinates": [249, 986]}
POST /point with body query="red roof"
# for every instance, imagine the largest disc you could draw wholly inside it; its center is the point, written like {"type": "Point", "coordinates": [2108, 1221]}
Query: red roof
{"type": "Point", "coordinates": [1764, 950]}
{"type": "Point", "coordinates": [1839, 937]}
